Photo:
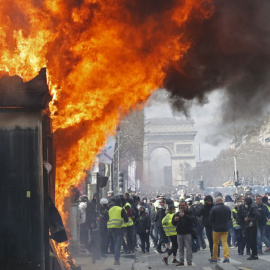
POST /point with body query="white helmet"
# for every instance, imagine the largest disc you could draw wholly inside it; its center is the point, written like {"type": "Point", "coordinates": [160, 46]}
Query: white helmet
{"type": "Point", "coordinates": [103, 201]}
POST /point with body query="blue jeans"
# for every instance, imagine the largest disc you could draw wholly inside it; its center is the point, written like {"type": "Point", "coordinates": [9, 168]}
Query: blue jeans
{"type": "Point", "coordinates": [261, 237]}
{"type": "Point", "coordinates": [118, 235]}
{"type": "Point", "coordinates": [231, 235]}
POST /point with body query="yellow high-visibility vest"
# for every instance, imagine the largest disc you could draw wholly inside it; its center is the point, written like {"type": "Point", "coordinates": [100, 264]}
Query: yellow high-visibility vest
{"type": "Point", "coordinates": [167, 225]}
{"type": "Point", "coordinates": [115, 219]}
{"type": "Point", "coordinates": [130, 221]}
{"type": "Point", "coordinates": [233, 219]}
{"type": "Point", "coordinates": [267, 223]}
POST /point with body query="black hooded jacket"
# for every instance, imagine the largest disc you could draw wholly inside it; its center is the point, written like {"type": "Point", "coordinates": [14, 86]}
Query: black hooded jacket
{"type": "Point", "coordinates": [204, 211]}
{"type": "Point", "coordinates": [252, 213]}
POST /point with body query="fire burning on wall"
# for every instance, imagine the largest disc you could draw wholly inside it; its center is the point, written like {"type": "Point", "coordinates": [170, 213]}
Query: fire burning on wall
{"type": "Point", "coordinates": [102, 58]}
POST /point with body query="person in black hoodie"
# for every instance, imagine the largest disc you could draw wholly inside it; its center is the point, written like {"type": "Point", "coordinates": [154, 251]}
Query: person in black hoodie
{"type": "Point", "coordinates": [251, 225]}
{"type": "Point", "coordinates": [204, 212]}
{"type": "Point", "coordinates": [161, 213]}
{"type": "Point", "coordinates": [143, 228]}
{"type": "Point", "coordinates": [184, 221]}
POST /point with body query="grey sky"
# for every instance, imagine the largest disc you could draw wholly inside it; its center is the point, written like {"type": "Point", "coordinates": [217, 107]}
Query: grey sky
{"type": "Point", "coordinates": [208, 122]}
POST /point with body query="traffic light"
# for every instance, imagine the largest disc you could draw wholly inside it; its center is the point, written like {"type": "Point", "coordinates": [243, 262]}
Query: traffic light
{"type": "Point", "coordinates": [201, 185]}
{"type": "Point", "coordinates": [237, 184]}
{"type": "Point", "coordinates": [120, 179]}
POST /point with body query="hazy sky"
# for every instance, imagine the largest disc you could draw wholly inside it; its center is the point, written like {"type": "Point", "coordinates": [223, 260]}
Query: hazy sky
{"type": "Point", "coordinates": [208, 122]}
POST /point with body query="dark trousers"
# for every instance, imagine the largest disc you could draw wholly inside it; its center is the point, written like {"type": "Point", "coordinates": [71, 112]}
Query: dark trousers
{"type": "Point", "coordinates": [252, 239]}
{"type": "Point", "coordinates": [154, 234]}
{"type": "Point", "coordinates": [129, 237]}
{"type": "Point", "coordinates": [145, 241]}
{"type": "Point", "coordinates": [84, 234]}
{"type": "Point", "coordinates": [162, 238]}
{"type": "Point", "coordinates": [209, 235]}
{"type": "Point", "coordinates": [200, 228]}
{"type": "Point", "coordinates": [104, 241]}
{"type": "Point", "coordinates": [174, 248]}
{"type": "Point", "coordinates": [111, 243]}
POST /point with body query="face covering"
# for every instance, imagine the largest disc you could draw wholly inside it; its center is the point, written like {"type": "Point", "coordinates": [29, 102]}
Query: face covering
{"type": "Point", "coordinates": [246, 206]}
{"type": "Point", "coordinates": [239, 203]}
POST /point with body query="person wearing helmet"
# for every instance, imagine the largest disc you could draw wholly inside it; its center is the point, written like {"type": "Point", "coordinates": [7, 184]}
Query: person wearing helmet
{"type": "Point", "coordinates": [104, 217]}
{"type": "Point", "coordinates": [83, 226]}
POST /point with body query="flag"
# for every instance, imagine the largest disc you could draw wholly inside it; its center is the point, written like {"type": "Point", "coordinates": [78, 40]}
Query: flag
{"type": "Point", "coordinates": [228, 183]}
{"type": "Point", "coordinates": [106, 154]}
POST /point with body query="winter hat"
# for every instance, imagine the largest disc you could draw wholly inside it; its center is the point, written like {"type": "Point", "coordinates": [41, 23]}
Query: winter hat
{"type": "Point", "coordinates": [248, 201]}
{"type": "Point", "coordinates": [228, 198]}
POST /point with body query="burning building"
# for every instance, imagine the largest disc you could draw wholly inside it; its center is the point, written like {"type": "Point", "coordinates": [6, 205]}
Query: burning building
{"type": "Point", "coordinates": [30, 222]}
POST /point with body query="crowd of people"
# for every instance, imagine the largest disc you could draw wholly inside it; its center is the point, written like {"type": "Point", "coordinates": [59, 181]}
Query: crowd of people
{"type": "Point", "coordinates": [169, 225]}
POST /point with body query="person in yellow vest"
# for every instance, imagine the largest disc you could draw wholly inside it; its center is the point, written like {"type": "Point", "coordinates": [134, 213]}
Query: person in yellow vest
{"type": "Point", "coordinates": [117, 216]}
{"type": "Point", "coordinates": [129, 225]}
{"type": "Point", "coordinates": [170, 231]}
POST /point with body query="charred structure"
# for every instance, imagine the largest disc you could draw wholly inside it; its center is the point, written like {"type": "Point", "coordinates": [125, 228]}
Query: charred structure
{"type": "Point", "coordinates": [27, 170]}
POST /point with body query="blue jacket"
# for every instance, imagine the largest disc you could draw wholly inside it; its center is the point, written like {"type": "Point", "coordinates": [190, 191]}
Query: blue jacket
{"type": "Point", "coordinates": [219, 216]}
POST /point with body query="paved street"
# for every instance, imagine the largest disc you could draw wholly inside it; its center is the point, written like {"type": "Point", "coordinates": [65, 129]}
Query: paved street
{"type": "Point", "coordinates": [200, 261]}
{"type": "Point", "coordinates": [153, 261]}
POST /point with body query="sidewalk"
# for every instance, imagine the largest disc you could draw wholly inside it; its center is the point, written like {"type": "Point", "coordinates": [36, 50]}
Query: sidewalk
{"type": "Point", "coordinates": [86, 262]}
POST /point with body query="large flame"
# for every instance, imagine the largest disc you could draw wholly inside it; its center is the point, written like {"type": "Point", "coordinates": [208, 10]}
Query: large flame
{"type": "Point", "coordinates": [102, 56]}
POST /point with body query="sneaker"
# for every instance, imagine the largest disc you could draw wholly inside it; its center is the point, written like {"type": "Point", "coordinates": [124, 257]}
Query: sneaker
{"type": "Point", "coordinates": [226, 260]}
{"type": "Point", "coordinates": [158, 251]}
{"type": "Point", "coordinates": [253, 258]}
{"type": "Point", "coordinates": [213, 261]}
{"type": "Point", "coordinates": [180, 264]}
{"type": "Point", "coordinates": [175, 261]}
{"type": "Point", "coordinates": [267, 249]}
{"type": "Point", "coordinates": [189, 263]}
{"type": "Point", "coordinates": [116, 263]}
{"type": "Point", "coordinates": [204, 247]}
{"type": "Point", "coordinates": [165, 260]}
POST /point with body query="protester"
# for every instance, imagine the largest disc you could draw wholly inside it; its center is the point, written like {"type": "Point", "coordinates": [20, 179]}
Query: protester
{"type": "Point", "coordinates": [158, 219]}
{"type": "Point", "coordinates": [83, 225]}
{"type": "Point", "coordinates": [251, 225]}
{"type": "Point", "coordinates": [104, 218]}
{"type": "Point", "coordinates": [264, 216]}
{"type": "Point", "coordinates": [143, 228]}
{"type": "Point", "coordinates": [170, 231]}
{"type": "Point", "coordinates": [183, 220]}
{"type": "Point", "coordinates": [117, 216]}
{"type": "Point", "coordinates": [220, 215]}
{"type": "Point", "coordinates": [205, 213]}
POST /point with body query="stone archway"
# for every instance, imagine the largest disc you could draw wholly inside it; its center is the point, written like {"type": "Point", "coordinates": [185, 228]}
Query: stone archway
{"type": "Point", "coordinates": [160, 167]}
{"type": "Point", "coordinates": [177, 136]}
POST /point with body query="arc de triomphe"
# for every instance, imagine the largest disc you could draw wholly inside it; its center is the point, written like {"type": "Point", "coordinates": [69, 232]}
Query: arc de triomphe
{"type": "Point", "coordinates": [177, 136]}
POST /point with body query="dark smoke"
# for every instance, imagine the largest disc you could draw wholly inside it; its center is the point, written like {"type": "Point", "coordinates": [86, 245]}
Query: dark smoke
{"type": "Point", "coordinates": [230, 50]}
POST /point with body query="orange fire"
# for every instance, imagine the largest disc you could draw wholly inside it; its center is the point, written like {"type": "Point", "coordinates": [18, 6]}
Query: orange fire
{"type": "Point", "coordinates": [102, 57]}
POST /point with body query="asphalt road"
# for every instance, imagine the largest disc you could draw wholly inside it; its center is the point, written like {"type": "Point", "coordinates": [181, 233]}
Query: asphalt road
{"type": "Point", "coordinates": [153, 261]}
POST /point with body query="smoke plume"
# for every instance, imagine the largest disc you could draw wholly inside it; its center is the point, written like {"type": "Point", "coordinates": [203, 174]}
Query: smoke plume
{"type": "Point", "coordinates": [228, 50]}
